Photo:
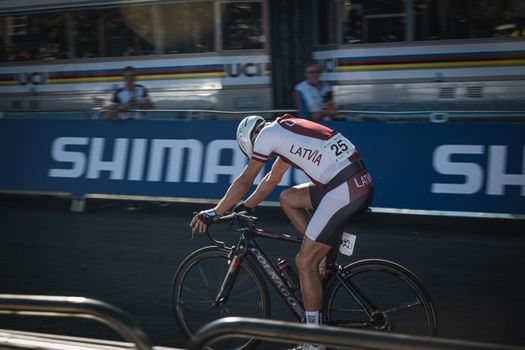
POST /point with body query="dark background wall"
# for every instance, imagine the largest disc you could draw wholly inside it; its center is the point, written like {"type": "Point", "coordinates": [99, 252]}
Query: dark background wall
{"type": "Point", "coordinates": [292, 40]}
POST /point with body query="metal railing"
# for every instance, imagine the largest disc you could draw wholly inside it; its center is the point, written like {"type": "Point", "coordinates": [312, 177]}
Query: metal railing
{"type": "Point", "coordinates": [288, 332]}
{"type": "Point", "coordinates": [192, 114]}
{"type": "Point", "coordinates": [78, 307]}
{"type": "Point", "coordinates": [427, 115]}
{"type": "Point", "coordinates": [437, 116]}
{"type": "Point", "coordinates": [231, 327]}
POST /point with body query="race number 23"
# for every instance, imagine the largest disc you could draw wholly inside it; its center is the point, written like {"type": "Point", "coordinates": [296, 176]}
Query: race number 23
{"type": "Point", "coordinates": [339, 147]}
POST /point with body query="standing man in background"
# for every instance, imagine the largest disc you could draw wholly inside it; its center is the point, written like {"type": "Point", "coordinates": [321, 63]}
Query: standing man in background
{"type": "Point", "coordinates": [313, 98]}
{"type": "Point", "coordinates": [128, 99]}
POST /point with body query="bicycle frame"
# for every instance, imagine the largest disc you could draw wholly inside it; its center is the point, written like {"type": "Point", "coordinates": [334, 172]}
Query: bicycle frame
{"type": "Point", "coordinates": [353, 308]}
{"type": "Point", "coordinates": [248, 246]}
{"type": "Point", "coordinates": [366, 305]}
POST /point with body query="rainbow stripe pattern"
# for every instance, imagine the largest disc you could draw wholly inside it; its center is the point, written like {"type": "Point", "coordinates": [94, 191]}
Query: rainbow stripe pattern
{"type": "Point", "coordinates": [8, 79]}
{"type": "Point", "coordinates": [154, 73]}
{"type": "Point", "coordinates": [115, 75]}
{"type": "Point", "coordinates": [432, 61]}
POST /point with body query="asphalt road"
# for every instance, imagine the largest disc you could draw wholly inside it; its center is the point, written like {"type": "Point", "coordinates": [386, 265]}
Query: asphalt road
{"type": "Point", "coordinates": [473, 268]}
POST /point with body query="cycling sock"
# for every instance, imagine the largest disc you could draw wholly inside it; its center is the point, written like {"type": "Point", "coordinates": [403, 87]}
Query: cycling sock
{"type": "Point", "coordinates": [313, 317]}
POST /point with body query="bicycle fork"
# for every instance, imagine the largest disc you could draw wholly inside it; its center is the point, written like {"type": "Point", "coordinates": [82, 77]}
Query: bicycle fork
{"type": "Point", "coordinates": [235, 258]}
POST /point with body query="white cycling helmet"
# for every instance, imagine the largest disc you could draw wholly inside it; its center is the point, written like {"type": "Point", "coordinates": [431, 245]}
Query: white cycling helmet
{"type": "Point", "coordinates": [247, 127]}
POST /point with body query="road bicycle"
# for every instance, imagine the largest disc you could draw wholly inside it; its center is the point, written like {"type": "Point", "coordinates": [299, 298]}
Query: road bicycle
{"type": "Point", "coordinates": [221, 281]}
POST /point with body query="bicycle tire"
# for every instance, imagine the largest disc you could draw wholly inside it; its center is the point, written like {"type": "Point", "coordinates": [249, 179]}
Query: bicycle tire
{"type": "Point", "coordinates": [383, 283]}
{"type": "Point", "coordinates": [194, 291]}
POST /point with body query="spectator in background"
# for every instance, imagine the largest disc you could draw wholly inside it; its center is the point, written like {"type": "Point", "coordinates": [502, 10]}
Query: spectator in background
{"type": "Point", "coordinates": [23, 55]}
{"type": "Point", "coordinates": [130, 51]}
{"type": "Point", "coordinates": [313, 98]}
{"type": "Point", "coordinates": [87, 54]}
{"type": "Point", "coordinates": [128, 99]}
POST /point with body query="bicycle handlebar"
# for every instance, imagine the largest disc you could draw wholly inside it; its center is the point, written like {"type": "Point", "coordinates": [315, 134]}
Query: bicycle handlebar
{"type": "Point", "coordinates": [247, 223]}
{"type": "Point", "coordinates": [244, 220]}
{"type": "Point", "coordinates": [238, 217]}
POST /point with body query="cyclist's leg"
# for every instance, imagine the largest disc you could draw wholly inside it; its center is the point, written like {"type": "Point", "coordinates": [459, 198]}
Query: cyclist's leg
{"type": "Point", "coordinates": [317, 244]}
{"type": "Point", "coordinates": [325, 228]}
{"type": "Point", "coordinates": [307, 262]}
{"type": "Point", "coordinates": [295, 203]}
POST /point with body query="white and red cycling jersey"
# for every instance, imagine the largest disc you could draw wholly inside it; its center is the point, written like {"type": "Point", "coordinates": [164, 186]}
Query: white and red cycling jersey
{"type": "Point", "coordinates": [316, 149]}
{"type": "Point", "coordinates": [341, 184]}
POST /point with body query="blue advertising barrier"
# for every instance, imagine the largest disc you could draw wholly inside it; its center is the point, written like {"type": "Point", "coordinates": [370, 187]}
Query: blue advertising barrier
{"type": "Point", "coordinates": [424, 166]}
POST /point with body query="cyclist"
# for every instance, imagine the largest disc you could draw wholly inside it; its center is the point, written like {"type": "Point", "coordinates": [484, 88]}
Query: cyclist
{"type": "Point", "coordinates": [341, 185]}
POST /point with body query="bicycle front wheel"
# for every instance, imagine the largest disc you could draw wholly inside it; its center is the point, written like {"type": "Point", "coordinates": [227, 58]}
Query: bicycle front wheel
{"type": "Point", "coordinates": [197, 283]}
{"type": "Point", "coordinates": [380, 295]}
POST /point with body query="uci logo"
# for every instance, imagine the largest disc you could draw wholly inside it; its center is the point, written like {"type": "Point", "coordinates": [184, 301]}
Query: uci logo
{"type": "Point", "coordinates": [328, 65]}
{"type": "Point", "coordinates": [31, 78]}
{"type": "Point", "coordinates": [234, 70]}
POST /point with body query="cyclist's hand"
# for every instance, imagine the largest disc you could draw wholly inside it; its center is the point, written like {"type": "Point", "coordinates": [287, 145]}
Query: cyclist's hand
{"type": "Point", "coordinates": [239, 208]}
{"type": "Point", "coordinates": [202, 220]}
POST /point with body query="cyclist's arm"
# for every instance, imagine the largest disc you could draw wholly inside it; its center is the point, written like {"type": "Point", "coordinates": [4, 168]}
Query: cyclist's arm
{"type": "Point", "coordinates": [239, 187]}
{"type": "Point", "coordinates": [268, 183]}
{"type": "Point", "coordinates": [114, 110]}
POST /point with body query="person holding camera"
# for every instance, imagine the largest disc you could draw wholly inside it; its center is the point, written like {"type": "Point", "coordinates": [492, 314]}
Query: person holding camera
{"type": "Point", "coordinates": [313, 98]}
{"type": "Point", "coordinates": [130, 99]}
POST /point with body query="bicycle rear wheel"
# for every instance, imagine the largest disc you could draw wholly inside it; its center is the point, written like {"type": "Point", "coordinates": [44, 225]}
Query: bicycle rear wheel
{"type": "Point", "coordinates": [395, 298]}
{"type": "Point", "coordinates": [196, 285]}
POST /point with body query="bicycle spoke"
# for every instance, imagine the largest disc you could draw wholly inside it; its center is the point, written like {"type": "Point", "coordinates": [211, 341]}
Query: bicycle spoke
{"type": "Point", "coordinates": [244, 293]}
{"type": "Point", "coordinates": [203, 276]}
{"type": "Point", "coordinates": [347, 323]}
{"type": "Point", "coordinates": [197, 283]}
{"type": "Point", "coordinates": [343, 309]}
{"type": "Point", "coordinates": [239, 306]}
{"type": "Point", "coordinates": [209, 302]}
{"type": "Point", "coordinates": [393, 297]}
{"type": "Point", "coordinates": [403, 306]}
{"type": "Point", "coordinates": [194, 292]}
{"type": "Point", "coordinates": [222, 312]}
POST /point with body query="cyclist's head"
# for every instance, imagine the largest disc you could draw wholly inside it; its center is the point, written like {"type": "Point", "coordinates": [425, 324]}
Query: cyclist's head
{"type": "Point", "coordinates": [245, 131]}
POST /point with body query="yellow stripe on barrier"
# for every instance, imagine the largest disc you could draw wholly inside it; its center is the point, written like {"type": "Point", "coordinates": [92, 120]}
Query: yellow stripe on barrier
{"type": "Point", "coordinates": [143, 77]}
{"type": "Point", "coordinates": [407, 66]}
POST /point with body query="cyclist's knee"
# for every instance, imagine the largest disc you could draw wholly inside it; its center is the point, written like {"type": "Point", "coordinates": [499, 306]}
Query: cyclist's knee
{"type": "Point", "coordinates": [295, 197]}
{"type": "Point", "coordinates": [300, 262]}
{"type": "Point", "coordinates": [304, 262]}
{"type": "Point", "coordinates": [285, 198]}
